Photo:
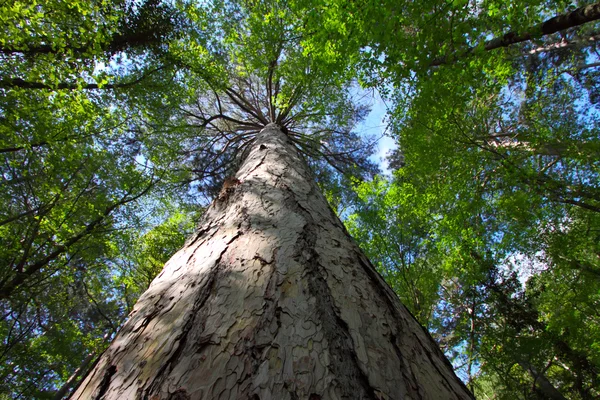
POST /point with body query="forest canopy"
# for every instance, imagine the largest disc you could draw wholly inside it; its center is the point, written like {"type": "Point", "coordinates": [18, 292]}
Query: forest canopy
{"type": "Point", "coordinates": [120, 121]}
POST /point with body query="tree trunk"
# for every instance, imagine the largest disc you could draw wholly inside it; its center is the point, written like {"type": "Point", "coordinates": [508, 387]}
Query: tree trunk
{"type": "Point", "coordinates": [73, 378]}
{"type": "Point", "coordinates": [271, 299]}
{"type": "Point", "coordinates": [541, 382]}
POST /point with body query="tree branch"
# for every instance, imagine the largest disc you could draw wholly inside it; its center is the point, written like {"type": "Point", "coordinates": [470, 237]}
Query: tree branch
{"type": "Point", "coordinates": [558, 23]}
{"type": "Point", "coordinates": [10, 286]}
{"type": "Point", "coordinates": [23, 84]}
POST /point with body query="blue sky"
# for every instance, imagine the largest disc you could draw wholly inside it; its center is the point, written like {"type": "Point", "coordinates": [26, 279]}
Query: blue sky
{"type": "Point", "coordinates": [375, 125]}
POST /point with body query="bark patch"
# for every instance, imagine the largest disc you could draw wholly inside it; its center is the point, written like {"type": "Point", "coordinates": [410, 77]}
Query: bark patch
{"type": "Point", "coordinates": [179, 394]}
{"type": "Point", "coordinates": [104, 385]}
{"type": "Point", "coordinates": [351, 378]}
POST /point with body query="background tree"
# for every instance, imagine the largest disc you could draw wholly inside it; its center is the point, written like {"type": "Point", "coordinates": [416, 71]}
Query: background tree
{"type": "Point", "coordinates": [79, 152]}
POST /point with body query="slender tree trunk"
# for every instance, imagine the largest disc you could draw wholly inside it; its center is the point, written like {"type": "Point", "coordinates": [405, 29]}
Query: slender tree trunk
{"type": "Point", "coordinates": [73, 378]}
{"type": "Point", "coordinates": [541, 382]}
{"type": "Point", "coordinates": [271, 299]}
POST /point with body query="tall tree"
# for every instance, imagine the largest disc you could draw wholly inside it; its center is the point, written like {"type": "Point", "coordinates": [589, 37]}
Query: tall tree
{"type": "Point", "coordinates": [256, 304]}
{"type": "Point", "coordinates": [271, 298]}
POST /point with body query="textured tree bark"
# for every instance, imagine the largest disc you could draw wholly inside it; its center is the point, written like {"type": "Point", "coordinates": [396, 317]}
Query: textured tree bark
{"type": "Point", "coordinates": [271, 299]}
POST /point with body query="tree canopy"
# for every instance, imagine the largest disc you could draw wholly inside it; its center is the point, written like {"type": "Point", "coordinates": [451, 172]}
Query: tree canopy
{"type": "Point", "coordinates": [121, 119]}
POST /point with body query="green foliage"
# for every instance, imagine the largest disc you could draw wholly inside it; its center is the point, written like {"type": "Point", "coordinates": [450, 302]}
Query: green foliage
{"type": "Point", "coordinates": [487, 230]}
{"type": "Point", "coordinates": [389, 226]}
{"type": "Point", "coordinates": [143, 254]}
{"type": "Point", "coordinates": [80, 146]}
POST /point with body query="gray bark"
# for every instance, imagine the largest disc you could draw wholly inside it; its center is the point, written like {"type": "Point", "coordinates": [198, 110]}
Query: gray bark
{"type": "Point", "coordinates": [271, 299]}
